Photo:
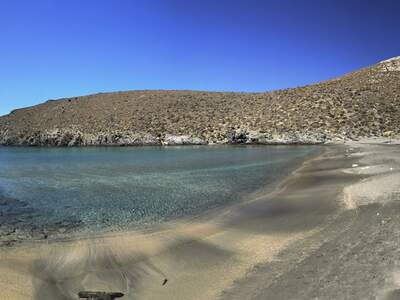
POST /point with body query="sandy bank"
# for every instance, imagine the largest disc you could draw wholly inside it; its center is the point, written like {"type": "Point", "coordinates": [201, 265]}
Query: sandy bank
{"type": "Point", "coordinates": [200, 260]}
{"type": "Point", "coordinates": [355, 255]}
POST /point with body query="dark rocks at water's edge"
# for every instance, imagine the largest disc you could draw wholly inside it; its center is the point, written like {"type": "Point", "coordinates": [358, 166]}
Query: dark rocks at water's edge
{"type": "Point", "coordinates": [70, 138]}
{"type": "Point", "coordinates": [361, 104]}
{"type": "Point", "coordinates": [18, 223]}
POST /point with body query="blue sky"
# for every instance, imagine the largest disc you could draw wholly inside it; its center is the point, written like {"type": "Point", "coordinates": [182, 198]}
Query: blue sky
{"type": "Point", "coordinates": [52, 49]}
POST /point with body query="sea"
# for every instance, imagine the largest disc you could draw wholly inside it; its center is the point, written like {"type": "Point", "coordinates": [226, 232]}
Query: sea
{"type": "Point", "coordinates": [118, 188]}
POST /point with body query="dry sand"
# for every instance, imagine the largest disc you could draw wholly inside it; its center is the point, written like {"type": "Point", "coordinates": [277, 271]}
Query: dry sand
{"type": "Point", "coordinates": [249, 251]}
{"type": "Point", "coordinates": [353, 256]}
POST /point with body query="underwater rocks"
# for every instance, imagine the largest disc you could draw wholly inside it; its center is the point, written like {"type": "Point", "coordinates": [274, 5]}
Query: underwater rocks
{"type": "Point", "coordinates": [18, 223]}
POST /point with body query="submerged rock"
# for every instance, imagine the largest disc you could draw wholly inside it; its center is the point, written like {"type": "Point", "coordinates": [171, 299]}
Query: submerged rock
{"type": "Point", "coordinates": [19, 222]}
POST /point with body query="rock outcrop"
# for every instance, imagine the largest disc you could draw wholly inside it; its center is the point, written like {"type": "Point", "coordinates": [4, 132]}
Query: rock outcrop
{"type": "Point", "coordinates": [68, 137]}
{"type": "Point", "coordinates": [364, 103]}
{"type": "Point", "coordinates": [182, 140]}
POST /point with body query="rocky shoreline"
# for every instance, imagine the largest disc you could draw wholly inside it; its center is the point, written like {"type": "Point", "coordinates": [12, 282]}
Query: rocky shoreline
{"type": "Point", "coordinates": [70, 138]}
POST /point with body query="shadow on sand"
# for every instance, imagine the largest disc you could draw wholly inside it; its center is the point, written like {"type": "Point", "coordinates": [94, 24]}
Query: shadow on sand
{"type": "Point", "coordinates": [63, 274]}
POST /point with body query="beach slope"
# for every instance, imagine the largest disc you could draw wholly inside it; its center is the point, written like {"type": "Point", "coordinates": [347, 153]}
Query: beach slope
{"type": "Point", "coordinates": [328, 230]}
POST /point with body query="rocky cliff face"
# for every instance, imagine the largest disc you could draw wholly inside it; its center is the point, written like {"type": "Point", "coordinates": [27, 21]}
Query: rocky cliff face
{"type": "Point", "coordinates": [360, 104]}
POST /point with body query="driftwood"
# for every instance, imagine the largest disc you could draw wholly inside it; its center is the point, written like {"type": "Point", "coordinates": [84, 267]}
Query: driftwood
{"type": "Point", "coordinates": [99, 295]}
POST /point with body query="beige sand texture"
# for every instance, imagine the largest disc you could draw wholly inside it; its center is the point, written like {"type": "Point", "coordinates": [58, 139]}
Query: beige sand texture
{"type": "Point", "coordinates": [197, 264]}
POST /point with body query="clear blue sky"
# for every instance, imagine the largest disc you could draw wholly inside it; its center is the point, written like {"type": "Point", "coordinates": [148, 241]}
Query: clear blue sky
{"type": "Point", "coordinates": [53, 49]}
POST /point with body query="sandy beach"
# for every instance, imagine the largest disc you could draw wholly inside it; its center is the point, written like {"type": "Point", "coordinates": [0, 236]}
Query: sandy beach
{"type": "Point", "coordinates": [328, 230]}
{"type": "Point", "coordinates": [200, 150]}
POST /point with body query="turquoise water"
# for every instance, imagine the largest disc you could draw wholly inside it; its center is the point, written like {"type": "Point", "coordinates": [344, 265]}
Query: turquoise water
{"type": "Point", "coordinates": [123, 187]}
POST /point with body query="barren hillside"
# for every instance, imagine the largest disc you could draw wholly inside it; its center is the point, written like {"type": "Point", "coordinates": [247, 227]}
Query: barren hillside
{"type": "Point", "coordinates": [362, 103]}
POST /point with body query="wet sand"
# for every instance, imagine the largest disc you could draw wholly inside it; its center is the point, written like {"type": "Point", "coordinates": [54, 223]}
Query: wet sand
{"type": "Point", "coordinates": [263, 248]}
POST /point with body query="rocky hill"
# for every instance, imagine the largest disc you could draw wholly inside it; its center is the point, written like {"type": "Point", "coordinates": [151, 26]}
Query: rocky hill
{"type": "Point", "coordinates": [360, 104]}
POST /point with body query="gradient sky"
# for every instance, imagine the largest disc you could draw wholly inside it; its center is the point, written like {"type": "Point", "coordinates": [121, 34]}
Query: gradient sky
{"type": "Point", "coordinates": [53, 49]}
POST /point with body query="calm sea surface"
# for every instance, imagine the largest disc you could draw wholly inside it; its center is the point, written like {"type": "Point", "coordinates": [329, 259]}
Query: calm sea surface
{"type": "Point", "coordinates": [123, 187]}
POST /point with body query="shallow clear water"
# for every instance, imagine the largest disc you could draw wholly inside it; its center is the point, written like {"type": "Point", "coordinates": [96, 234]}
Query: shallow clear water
{"type": "Point", "coordinates": [121, 187]}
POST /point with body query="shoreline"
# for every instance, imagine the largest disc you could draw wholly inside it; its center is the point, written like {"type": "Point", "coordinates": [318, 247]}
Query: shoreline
{"type": "Point", "coordinates": [56, 139]}
{"type": "Point", "coordinates": [247, 252]}
{"type": "Point", "coordinates": [67, 230]}
{"type": "Point", "coordinates": [217, 251]}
